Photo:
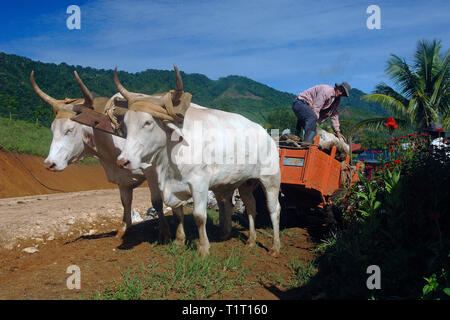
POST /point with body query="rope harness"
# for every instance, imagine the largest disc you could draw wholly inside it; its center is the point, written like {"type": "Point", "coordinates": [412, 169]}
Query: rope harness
{"type": "Point", "coordinates": [31, 173]}
{"type": "Point", "coordinates": [158, 106]}
{"type": "Point", "coordinates": [166, 111]}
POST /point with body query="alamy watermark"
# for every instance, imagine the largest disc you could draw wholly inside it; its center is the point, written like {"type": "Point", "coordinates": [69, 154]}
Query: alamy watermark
{"type": "Point", "coordinates": [374, 20]}
{"type": "Point", "coordinates": [74, 20]}
{"type": "Point", "coordinates": [74, 280]}
{"type": "Point", "coordinates": [374, 280]}
{"type": "Point", "coordinates": [228, 147]}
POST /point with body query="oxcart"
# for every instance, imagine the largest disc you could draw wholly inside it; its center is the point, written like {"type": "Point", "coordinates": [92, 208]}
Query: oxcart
{"type": "Point", "coordinates": [310, 176]}
{"type": "Point", "coordinates": [310, 179]}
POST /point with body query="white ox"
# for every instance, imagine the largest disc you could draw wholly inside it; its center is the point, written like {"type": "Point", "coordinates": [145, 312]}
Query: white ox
{"type": "Point", "coordinates": [154, 135]}
{"type": "Point", "coordinates": [72, 141]}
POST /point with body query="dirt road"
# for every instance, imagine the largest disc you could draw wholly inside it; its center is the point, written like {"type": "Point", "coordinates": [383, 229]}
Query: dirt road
{"type": "Point", "coordinates": [36, 220]}
{"type": "Point", "coordinates": [25, 175]}
{"type": "Point", "coordinates": [79, 229]}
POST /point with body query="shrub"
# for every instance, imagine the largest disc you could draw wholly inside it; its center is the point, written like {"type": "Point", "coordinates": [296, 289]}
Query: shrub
{"type": "Point", "coordinates": [397, 219]}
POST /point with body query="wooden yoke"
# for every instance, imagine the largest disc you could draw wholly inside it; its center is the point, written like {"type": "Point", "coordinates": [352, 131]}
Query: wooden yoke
{"type": "Point", "coordinates": [93, 119]}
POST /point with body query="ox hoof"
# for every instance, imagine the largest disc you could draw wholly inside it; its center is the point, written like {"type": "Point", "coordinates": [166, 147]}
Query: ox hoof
{"type": "Point", "coordinates": [122, 230]}
{"type": "Point", "coordinates": [251, 243]}
{"type": "Point", "coordinates": [203, 251]}
{"type": "Point", "coordinates": [274, 253]}
{"type": "Point", "coordinates": [120, 233]}
{"type": "Point", "coordinates": [164, 237]}
{"type": "Point", "coordinates": [179, 242]}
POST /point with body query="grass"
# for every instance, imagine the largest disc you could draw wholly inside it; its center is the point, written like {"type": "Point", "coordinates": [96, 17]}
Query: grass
{"type": "Point", "coordinates": [301, 272]}
{"type": "Point", "coordinates": [25, 137]}
{"type": "Point", "coordinates": [186, 276]}
{"type": "Point", "coordinates": [231, 271]}
{"type": "Point", "coordinates": [183, 274]}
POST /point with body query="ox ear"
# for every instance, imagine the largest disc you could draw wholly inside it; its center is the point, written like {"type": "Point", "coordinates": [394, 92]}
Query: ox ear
{"type": "Point", "coordinates": [176, 134]}
{"type": "Point", "coordinates": [89, 140]}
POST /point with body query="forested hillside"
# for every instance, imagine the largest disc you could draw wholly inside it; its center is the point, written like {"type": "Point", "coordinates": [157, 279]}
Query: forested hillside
{"type": "Point", "coordinates": [232, 93]}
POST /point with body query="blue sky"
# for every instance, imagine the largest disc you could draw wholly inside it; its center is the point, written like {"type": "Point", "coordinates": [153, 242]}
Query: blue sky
{"type": "Point", "coordinates": [288, 45]}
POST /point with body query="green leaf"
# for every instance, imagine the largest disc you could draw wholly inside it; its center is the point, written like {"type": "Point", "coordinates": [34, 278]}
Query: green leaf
{"type": "Point", "coordinates": [376, 205]}
{"type": "Point", "coordinates": [426, 290]}
{"type": "Point", "coordinates": [447, 291]}
{"type": "Point", "coordinates": [362, 195]}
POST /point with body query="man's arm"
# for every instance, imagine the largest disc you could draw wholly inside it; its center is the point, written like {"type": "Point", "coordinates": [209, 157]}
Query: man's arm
{"type": "Point", "coordinates": [335, 121]}
{"type": "Point", "coordinates": [335, 124]}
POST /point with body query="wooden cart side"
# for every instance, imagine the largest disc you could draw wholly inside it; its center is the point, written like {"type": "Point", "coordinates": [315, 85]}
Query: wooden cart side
{"type": "Point", "coordinates": [293, 173]}
{"type": "Point", "coordinates": [310, 160]}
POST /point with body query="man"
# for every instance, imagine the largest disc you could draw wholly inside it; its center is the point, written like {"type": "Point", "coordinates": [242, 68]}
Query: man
{"type": "Point", "coordinates": [318, 104]}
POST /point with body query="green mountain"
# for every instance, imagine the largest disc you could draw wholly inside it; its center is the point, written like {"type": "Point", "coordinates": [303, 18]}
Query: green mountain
{"type": "Point", "coordinates": [354, 108]}
{"type": "Point", "coordinates": [232, 93]}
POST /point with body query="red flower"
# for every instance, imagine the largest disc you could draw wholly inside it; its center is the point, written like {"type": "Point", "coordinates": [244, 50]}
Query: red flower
{"type": "Point", "coordinates": [391, 123]}
{"type": "Point", "coordinates": [397, 161]}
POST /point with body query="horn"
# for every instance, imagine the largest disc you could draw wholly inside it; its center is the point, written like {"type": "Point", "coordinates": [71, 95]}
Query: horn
{"type": "Point", "coordinates": [127, 94]}
{"type": "Point", "coordinates": [88, 100]}
{"type": "Point", "coordinates": [45, 97]}
{"type": "Point", "coordinates": [179, 89]}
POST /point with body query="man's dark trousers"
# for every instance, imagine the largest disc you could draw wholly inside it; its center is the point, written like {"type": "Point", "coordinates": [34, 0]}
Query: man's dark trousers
{"type": "Point", "coordinates": [306, 118]}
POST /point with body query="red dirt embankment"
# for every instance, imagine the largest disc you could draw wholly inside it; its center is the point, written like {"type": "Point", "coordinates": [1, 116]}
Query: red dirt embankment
{"type": "Point", "coordinates": [17, 170]}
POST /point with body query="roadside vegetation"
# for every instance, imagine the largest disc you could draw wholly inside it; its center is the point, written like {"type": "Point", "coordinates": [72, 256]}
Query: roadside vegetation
{"type": "Point", "coordinates": [24, 137]}
{"type": "Point", "coordinates": [397, 219]}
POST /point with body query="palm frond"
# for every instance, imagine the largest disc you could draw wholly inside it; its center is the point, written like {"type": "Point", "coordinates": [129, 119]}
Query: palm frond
{"type": "Point", "coordinates": [399, 71]}
{"type": "Point", "coordinates": [445, 121]}
{"type": "Point", "coordinates": [389, 103]}
{"type": "Point", "coordinates": [440, 89]}
{"type": "Point", "coordinates": [377, 123]}
{"type": "Point", "coordinates": [427, 62]}
{"type": "Point", "coordinates": [387, 90]}
{"type": "Point", "coordinates": [423, 86]}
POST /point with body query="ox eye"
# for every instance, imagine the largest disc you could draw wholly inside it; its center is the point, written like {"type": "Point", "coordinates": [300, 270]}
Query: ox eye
{"type": "Point", "coordinates": [147, 124]}
{"type": "Point", "coordinates": [68, 131]}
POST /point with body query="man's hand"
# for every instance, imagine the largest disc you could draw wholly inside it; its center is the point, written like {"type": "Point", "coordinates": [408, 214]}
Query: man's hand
{"type": "Point", "coordinates": [339, 135]}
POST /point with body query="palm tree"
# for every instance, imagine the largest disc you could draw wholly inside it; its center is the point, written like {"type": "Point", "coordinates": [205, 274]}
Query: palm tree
{"type": "Point", "coordinates": [423, 95]}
